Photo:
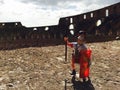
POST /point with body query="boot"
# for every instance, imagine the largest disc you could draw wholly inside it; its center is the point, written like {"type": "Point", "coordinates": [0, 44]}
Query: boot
{"type": "Point", "coordinates": [73, 72]}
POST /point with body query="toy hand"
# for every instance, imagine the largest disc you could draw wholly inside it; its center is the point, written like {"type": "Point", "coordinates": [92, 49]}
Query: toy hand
{"type": "Point", "coordinates": [65, 39]}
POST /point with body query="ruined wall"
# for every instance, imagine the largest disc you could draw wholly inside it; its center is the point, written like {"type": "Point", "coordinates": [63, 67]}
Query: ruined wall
{"type": "Point", "coordinates": [14, 36]}
{"type": "Point", "coordinates": [100, 25]}
{"type": "Point", "coordinates": [108, 16]}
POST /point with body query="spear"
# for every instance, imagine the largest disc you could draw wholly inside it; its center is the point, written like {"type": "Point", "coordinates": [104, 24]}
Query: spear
{"type": "Point", "coordinates": [66, 51]}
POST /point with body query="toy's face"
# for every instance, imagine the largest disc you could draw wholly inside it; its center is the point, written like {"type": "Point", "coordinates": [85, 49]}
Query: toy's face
{"type": "Point", "coordinates": [82, 35]}
{"type": "Point", "coordinates": [80, 41]}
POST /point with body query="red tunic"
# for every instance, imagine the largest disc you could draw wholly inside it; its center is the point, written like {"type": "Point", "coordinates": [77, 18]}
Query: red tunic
{"type": "Point", "coordinates": [84, 63]}
{"type": "Point", "coordinates": [85, 56]}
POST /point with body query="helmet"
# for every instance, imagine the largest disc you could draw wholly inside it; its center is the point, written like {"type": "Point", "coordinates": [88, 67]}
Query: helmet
{"type": "Point", "coordinates": [82, 32]}
{"type": "Point", "coordinates": [80, 38]}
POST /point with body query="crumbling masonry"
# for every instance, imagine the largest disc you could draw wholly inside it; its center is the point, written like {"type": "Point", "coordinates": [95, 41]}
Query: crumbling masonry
{"type": "Point", "coordinates": [100, 25]}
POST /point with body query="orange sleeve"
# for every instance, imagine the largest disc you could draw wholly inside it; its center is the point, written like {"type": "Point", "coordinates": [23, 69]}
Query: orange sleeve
{"type": "Point", "coordinates": [70, 44]}
{"type": "Point", "coordinates": [88, 53]}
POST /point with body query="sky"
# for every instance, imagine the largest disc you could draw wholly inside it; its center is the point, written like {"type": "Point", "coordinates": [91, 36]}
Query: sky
{"type": "Point", "coordinates": [33, 13]}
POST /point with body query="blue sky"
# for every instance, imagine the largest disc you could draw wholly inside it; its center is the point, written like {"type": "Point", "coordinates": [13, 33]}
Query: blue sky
{"type": "Point", "coordinates": [46, 12]}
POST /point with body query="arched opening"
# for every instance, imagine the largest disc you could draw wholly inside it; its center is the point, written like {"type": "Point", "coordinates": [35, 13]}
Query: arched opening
{"type": "Point", "coordinates": [3, 24]}
{"type": "Point", "coordinates": [32, 36]}
{"type": "Point", "coordinates": [66, 19]}
{"type": "Point", "coordinates": [72, 32]}
{"type": "Point", "coordinates": [97, 32]}
{"type": "Point", "coordinates": [34, 29]}
{"type": "Point", "coordinates": [14, 38]}
{"type": "Point", "coordinates": [38, 36]}
{"type": "Point", "coordinates": [110, 32]}
{"type": "Point", "coordinates": [84, 16]}
{"type": "Point", "coordinates": [98, 23]}
{"type": "Point", "coordinates": [43, 36]}
{"type": "Point", "coordinates": [61, 35]}
{"type": "Point", "coordinates": [107, 12]}
{"type": "Point", "coordinates": [71, 26]}
{"type": "Point", "coordinates": [91, 15]}
{"type": "Point", "coordinates": [46, 28]}
{"type": "Point", "coordinates": [55, 36]}
{"type": "Point", "coordinates": [26, 37]}
{"type": "Point", "coordinates": [49, 36]}
{"type": "Point", "coordinates": [16, 24]}
{"type": "Point", "coordinates": [118, 33]}
{"type": "Point", "coordinates": [71, 20]}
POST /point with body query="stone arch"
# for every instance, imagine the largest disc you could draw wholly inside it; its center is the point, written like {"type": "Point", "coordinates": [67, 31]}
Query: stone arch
{"type": "Point", "coordinates": [46, 28]}
{"type": "Point", "coordinates": [107, 13]}
{"type": "Point", "coordinates": [84, 16]}
{"type": "Point", "coordinates": [91, 15]}
{"type": "Point", "coordinates": [71, 28]}
{"type": "Point", "coordinates": [71, 20]}
{"type": "Point", "coordinates": [99, 22]}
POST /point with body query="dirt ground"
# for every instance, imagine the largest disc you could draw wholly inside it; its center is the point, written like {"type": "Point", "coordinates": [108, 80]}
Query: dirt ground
{"type": "Point", "coordinates": [44, 68]}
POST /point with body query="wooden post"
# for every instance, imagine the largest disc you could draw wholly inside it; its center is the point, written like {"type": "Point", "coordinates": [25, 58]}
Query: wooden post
{"type": "Point", "coordinates": [65, 84]}
{"type": "Point", "coordinates": [66, 51]}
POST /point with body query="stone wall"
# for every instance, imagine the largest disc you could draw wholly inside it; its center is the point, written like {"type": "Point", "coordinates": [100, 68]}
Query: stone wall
{"type": "Point", "coordinates": [100, 25]}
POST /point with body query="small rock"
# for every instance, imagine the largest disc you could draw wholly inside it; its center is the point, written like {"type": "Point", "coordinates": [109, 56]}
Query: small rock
{"type": "Point", "coordinates": [10, 85]}
{"type": "Point", "coordinates": [59, 58]}
{"type": "Point", "coordinates": [3, 87]}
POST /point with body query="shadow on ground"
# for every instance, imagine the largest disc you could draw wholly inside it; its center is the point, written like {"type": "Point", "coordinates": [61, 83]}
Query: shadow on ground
{"type": "Point", "coordinates": [78, 85]}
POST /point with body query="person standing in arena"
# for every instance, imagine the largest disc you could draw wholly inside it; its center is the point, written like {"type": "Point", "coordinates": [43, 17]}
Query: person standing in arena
{"type": "Point", "coordinates": [80, 55]}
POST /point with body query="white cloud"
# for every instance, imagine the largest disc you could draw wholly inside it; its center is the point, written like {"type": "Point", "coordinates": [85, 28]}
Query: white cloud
{"type": "Point", "coordinates": [45, 12]}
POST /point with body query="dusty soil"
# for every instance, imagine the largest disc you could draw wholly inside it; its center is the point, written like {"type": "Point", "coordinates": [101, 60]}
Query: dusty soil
{"type": "Point", "coordinates": [44, 68]}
